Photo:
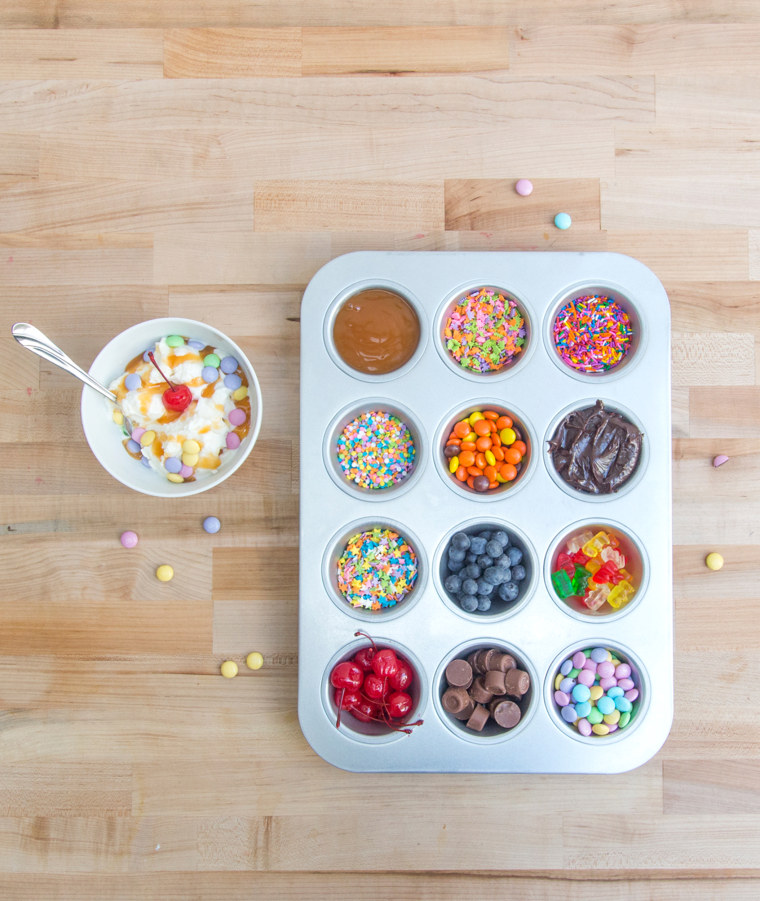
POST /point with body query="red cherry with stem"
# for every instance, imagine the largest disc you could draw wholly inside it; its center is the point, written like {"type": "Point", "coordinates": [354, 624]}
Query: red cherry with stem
{"type": "Point", "coordinates": [365, 711]}
{"type": "Point", "coordinates": [363, 658]}
{"type": "Point", "coordinates": [385, 662]}
{"type": "Point", "coordinates": [345, 699]}
{"type": "Point", "coordinates": [402, 679]}
{"type": "Point", "coordinates": [398, 704]}
{"type": "Point", "coordinates": [176, 397]}
{"type": "Point", "coordinates": [375, 687]}
{"type": "Point", "coordinates": [347, 675]}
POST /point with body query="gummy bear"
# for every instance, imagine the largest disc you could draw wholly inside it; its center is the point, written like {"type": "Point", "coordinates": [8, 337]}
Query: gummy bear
{"type": "Point", "coordinates": [562, 583]}
{"type": "Point", "coordinates": [595, 544]}
{"type": "Point", "coordinates": [620, 594]}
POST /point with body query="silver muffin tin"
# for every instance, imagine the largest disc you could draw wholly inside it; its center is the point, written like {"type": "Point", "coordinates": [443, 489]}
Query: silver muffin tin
{"type": "Point", "coordinates": [429, 629]}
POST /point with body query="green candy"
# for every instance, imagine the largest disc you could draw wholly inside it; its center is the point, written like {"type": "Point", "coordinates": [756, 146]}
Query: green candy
{"type": "Point", "coordinates": [211, 360]}
{"type": "Point", "coordinates": [175, 340]}
{"type": "Point", "coordinates": [625, 718]}
{"type": "Point", "coordinates": [595, 716]}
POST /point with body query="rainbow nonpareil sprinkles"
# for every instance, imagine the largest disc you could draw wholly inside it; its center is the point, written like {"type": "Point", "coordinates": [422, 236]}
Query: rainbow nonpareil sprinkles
{"type": "Point", "coordinates": [592, 333]}
{"type": "Point", "coordinates": [377, 569]}
{"type": "Point", "coordinates": [485, 331]}
{"type": "Point", "coordinates": [376, 450]}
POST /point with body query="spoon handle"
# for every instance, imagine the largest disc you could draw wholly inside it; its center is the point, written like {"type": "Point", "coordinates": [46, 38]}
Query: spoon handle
{"type": "Point", "coordinates": [32, 339]}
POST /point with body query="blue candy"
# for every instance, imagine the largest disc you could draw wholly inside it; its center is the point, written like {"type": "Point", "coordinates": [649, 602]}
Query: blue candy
{"type": "Point", "coordinates": [567, 685]}
{"type": "Point", "coordinates": [228, 364]}
{"type": "Point", "coordinates": [173, 464]}
{"type": "Point", "coordinates": [566, 667]}
{"type": "Point", "coordinates": [209, 374]}
{"type": "Point", "coordinates": [133, 446]}
{"type": "Point", "coordinates": [583, 709]}
{"type": "Point", "coordinates": [615, 692]}
{"type": "Point", "coordinates": [623, 704]}
{"type": "Point", "coordinates": [195, 344]}
{"type": "Point", "coordinates": [145, 461]}
{"type": "Point", "coordinates": [599, 655]}
{"type": "Point", "coordinates": [132, 381]}
{"type": "Point", "coordinates": [605, 705]}
{"type": "Point", "coordinates": [581, 692]}
{"type": "Point", "coordinates": [232, 381]}
{"type": "Point", "coordinates": [568, 714]}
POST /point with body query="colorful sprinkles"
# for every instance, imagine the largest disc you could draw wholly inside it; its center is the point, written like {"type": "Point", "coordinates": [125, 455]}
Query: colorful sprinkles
{"type": "Point", "coordinates": [592, 333]}
{"type": "Point", "coordinates": [376, 450]}
{"type": "Point", "coordinates": [377, 569]}
{"type": "Point", "coordinates": [485, 331]}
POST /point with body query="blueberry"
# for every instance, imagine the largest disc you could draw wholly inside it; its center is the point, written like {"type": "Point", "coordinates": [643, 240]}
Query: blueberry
{"type": "Point", "coordinates": [484, 534]}
{"type": "Point", "coordinates": [515, 555]}
{"type": "Point", "coordinates": [478, 545]}
{"type": "Point", "coordinates": [468, 602]}
{"type": "Point", "coordinates": [518, 572]}
{"type": "Point", "coordinates": [484, 587]}
{"type": "Point", "coordinates": [471, 571]}
{"type": "Point", "coordinates": [456, 555]}
{"type": "Point", "coordinates": [502, 537]}
{"type": "Point", "coordinates": [471, 558]}
{"type": "Point", "coordinates": [496, 575]}
{"type": "Point", "coordinates": [461, 541]}
{"type": "Point", "coordinates": [469, 586]}
{"type": "Point", "coordinates": [453, 584]}
{"type": "Point", "coordinates": [484, 604]}
{"type": "Point", "coordinates": [494, 549]}
{"type": "Point", "coordinates": [508, 591]}
{"type": "Point", "coordinates": [455, 566]}
{"type": "Point", "coordinates": [485, 561]}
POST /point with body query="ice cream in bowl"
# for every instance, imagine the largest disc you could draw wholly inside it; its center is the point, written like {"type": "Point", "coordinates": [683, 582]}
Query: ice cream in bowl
{"type": "Point", "coordinates": [188, 408]}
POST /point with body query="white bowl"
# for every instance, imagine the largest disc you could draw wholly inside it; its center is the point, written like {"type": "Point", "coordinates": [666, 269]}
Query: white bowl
{"type": "Point", "coordinates": [105, 437]}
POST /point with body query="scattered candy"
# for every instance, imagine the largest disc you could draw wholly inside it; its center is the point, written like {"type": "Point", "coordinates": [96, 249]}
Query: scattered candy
{"type": "Point", "coordinates": [487, 684]}
{"type": "Point", "coordinates": [483, 566]}
{"type": "Point", "coordinates": [524, 187]}
{"type": "Point", "coordinates": [128, 539]}
{"type": "Point", "coordinates": [211, 524]}
{"type": "Point", "coordinates": [376, 450]}
{"type": "Point", "coordinates": [563, 221]}
{"type": "Point", "coordinates": [600, 702]}
{"type": "Point", "coordinates": [254, 660]}
{"type": "Point", "coordinates": [714, 561]}
{"type": "Point", "coordinates": [375, 685]}
{"type": "Point", "coordinates": [592, 333]}
{"type": "Point", "coordinates": [485, 450]}
{"type": "Point", "coordinates": [485, 331]}
{"type": "Point", "coordinates": [592, 568]}
{"type": "Point", "coordinates": [165, 573]}
{"type": "Point", "coordinates": [720, 460]}
{"type": "Point", "coordinates": [377, 569]}
{"type": "Point", "coordinates": [229, 669]}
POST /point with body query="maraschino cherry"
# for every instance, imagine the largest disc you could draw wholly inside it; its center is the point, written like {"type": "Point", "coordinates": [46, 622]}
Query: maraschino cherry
{"type": "Point", "coordinates": [176, 397]}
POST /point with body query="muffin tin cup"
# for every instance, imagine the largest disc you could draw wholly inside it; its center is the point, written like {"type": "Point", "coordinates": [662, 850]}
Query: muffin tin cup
{"type": "Point", "coordinates": [500, 610]}
{"type": "Point", "coordinates": [508, 489]}
{"type": "Point", "coordinates": [372, 732]}
{"type": "Point", "coordinates": [637, 563]}
{"type": "Point", "coordinates": [513, 366]}
{"type": "Point", "coordinates": [347, 415]}
{"type": "Point", "coordinates": [333, 553]}
{"type": "Point", "coordinates": [429, 394]}
{"type": "Point", "coordinates": [492, 733]}
{"type": "Point", "coordinates": [638, 339]}
{"type": "Point", "coordinates": [349, 292]}
{"type": "Point", "coordinates": [629, 485]}
{"type": "Point", "coordinates": [640, 677]}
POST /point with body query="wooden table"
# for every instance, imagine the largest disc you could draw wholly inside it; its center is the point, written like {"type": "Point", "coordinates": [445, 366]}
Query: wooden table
{"type": "Point", "coordinates": [204, 160]}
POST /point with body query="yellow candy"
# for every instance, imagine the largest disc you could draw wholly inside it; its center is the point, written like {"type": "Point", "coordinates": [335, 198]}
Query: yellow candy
{"type": "Point", "coordinates": [118, 417]}
{"type": "Point", "coordinates": [500, 478]}
{"type": "Point", "coordinates": [254, 660]}
{"type": "Point", "coordinates": [611, 718]}
{"type": "Point", "coordinates": [596, 692]}
{"type": "Point", "coordinates": [508, 436]}
{"type": "Point", "coordinates": [592, 547]}
{"type": "Point", "coordinates": [229, 669]}
{"type": "Point", "coordinates": [474, 417]}
{"type": "Point", "coordinates": [164, 573]}
{"type": "Point", "coordinates": [147, 438]}
{"type": "Point", "coordinates": [600, 729]}
{"type": "Point", "coordinates": [593, 565]}
{"type": "Point", "coordinates": [240, 393]}
{"type": "Point", "coordinates": [471, 437]}
{"type": "Point", "coordinates": [714, 561]}
{"type": "Point", "coordinates": [453, 464]}
{"type": "Point", "coordinates": [559, 678]}
{"type": "Point", "coordinates": [620, 594]}
{"type": "Point", "coordinates": [190, 459]}
{"type": "Point", "coordinates": [490, 459]}
{"type": "Point", "coordinates": [189, 446]}
{"type": "Point", "coordinates": [174, 477]}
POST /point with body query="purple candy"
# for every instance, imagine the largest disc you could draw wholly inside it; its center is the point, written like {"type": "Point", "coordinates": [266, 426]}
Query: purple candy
{"type": "Point", "coordinates": [195, 344]}
{"type": "Point", "coordinates": [606, 669]}
{"type": "Point", "coordinates": [579, 658]}
{"type": "Point", "coordinates": [632, 694]}
{"type": "Point", "coordinates": [209, 374]}
{"type": "Point", "coordinates": [237, 416]}
{"type": "Point", "coordinates": [561, 698]}
{"type": "Point", "coordinates": [233, 381]}
{"type": "Point", "coordinates": [186, 471]}
{"type": "Point", "coordinates": [613, 728]}
{"type": "Point", "coordinates": [567, 685]}
{"type": "Point", "coordinates": [173, 464]}
{"type": "Point", "coordinates": [609, 682]}
{"type": "Point", "coordinates": [132, 382]}
{"type": "Point", "coordinates": [133, 446]}
{"type": "Point", "coordinates": [137, 433]}
{"type": "Point", "coordinates": [567, 665]}
{"type": "Point", "coordinates": [145, 461]}
{"type": "Point", "coordinates": [228, 364]}
{"type": "Point", "coordinates": [599, 655]}
{"type": "Point", "coordinates": [622, 671]}
{"type": "Point", "coordinates": [625, 684]}
{"type": "Point", "coordinates": [590, 665]}
{"type": "Point", "coordinates": [584, 727]}
{"type": "Point", "coordinates": [233, 440]}
{"type": "Point", "coordinates": [568, 714]}
{"type": "Point", "coordinates": [586, 677]}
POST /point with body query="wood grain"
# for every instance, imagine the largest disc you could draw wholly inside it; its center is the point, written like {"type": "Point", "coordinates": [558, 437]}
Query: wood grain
{"type": "Point", "coordinates": [205, 160]}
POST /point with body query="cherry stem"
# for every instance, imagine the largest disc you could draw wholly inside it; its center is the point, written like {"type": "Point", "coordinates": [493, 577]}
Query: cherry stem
{"type": "Point", "coordinates": [357, 634]}
{"type": "Point", "coordinates": [153, 361]}
{"type": "Point", "coordinates": [340, 707]}
{"type": "Point", "coordinates": [387, 721]}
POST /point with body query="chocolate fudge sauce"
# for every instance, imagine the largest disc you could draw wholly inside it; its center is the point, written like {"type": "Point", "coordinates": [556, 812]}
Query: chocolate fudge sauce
{"type": "Point", "coordinates": [595, 450]}
{"type": "Point", "coordinates": [376, 331]}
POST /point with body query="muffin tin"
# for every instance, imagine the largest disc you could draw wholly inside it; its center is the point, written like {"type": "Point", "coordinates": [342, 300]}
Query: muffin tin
{"type": "Point", "coordinates": [429, 394]}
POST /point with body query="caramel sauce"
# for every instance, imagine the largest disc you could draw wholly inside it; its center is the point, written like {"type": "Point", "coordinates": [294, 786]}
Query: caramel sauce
{"type": "Point", "coordinates": [376, 331]}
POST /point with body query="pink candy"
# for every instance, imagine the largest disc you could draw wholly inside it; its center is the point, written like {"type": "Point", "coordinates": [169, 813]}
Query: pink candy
{"type": "Point", "coordinates": [237, 416]}
{"type": "Point", "coordinates": [233, 440]}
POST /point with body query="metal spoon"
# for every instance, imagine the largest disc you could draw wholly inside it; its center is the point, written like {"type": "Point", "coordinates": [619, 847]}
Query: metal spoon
{"type": "Point", "coordinates": [33, 339]}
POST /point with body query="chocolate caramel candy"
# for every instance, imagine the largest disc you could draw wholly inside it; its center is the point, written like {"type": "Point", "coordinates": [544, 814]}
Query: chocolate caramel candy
{"type": "Point", "coordinates": [505, 662]}
{"type": "Point", "coordinates": [459, 674]}
{"type": "Point", "coordinates": [478, 719]}
{"type": "Point", "coordinates": [495, 682]}
{"type": "Point", "coordinates": [506, 713]}
{"type": "Point", "coordinates": [457, 702]}
{"type": "Point", "coordinates": [479, 692]}
{"type": "Point", "coordinates": [517, 682]}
